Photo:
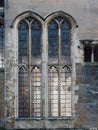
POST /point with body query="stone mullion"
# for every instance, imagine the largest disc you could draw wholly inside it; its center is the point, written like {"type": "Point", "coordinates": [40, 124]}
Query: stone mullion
{"type": "Point", "coordinates": [92, 53]}
{"type": "Point", "coordinates": [44, 72]}
{"type": "Point", "coordinates": [59, 69]}
{"type": "Point", "coordinates": [29, 69]}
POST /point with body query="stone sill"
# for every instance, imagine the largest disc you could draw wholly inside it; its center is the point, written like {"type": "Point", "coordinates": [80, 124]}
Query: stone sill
{"type": "Point", "coordinates": [49, 129]}
{"type": "Point", "coordinates": [49, 118]}
{"type": "Point", "coordinates": [90, 63]}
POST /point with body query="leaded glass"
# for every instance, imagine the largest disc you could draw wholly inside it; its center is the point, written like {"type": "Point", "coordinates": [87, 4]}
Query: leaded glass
{"type": "Point", "coordinates": [53, 92]}
{"type": "Point", "coordinates": [66, 91]}
{"type": "Point", "coordinates": [59, 19]}
{"type": "Point", "coordinates": [23, 42]}
{"type": "Point", "coordinates": [65, 43]}
{"type": "Point", "coordinates": [29, 33]}
{"type": "Point", "coordinates": [36, 91]}
{"type": "Point", "coordinates": [29, 19]}
{"type": "Point", "coordinates": [36, 42]}
{"type": "Point", "coordinates": [53, 41]}
{"type": "Point", "coordinates": [59, 77]}
{"type": "Point", "coordinates": [1, 45]}
{"type": "Point", "coordinates": [23, 92]}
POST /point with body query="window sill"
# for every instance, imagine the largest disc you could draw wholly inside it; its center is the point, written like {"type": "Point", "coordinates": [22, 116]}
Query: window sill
{"type": "Point", "coordinates": [60, 118]}
{"type": "Point", "coordinates": [90, 63]}
{"type": "Point", "coordinates": [25, 118]}
{"type": "Point", "coordinates": [48, 118]}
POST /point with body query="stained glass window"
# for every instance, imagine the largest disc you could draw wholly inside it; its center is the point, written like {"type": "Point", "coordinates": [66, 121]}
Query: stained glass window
{"type": "Point", "coordinates": [53, 91]}
{"type": "Point", "coordinates": [59, 76]}
{"type": "Point", "coordinates": [29, 53]}
{"type": "Point", "coordinates": [23, 93]}
{"type": "Point", "coordinates": [36, 91]}
{"type": "Point", "coordinates": [23, 42]}
{"type": "Point", "coordinates": [31, 76]}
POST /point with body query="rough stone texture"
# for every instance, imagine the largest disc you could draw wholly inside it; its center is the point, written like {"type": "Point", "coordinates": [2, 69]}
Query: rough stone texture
{"type": "Point", "coordinates": [85, 12]}
{"type": "Point", "coordinates": [1, 97]}
{"type": "Point", "coordinates": [87, 106]}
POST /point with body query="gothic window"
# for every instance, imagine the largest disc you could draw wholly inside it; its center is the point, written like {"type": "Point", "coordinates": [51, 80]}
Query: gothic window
{"type": "Point", "coordinates": [1, 45]}
{"type": "Point", "coordinates": [58, 68]}
{"type": "Point", "coordinates": [29, 55]}
{"type": "Point", "coordinates": [59, 61]}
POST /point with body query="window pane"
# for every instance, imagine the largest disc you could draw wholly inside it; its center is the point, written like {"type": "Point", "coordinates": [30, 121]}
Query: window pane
{"type": "Point", "coordinates": [53, 91]}
{"type": "Point", "coordinates": [96, 53]}
{"type": "Point", "coordinates": [36, 91]}
{"type": "Point", "coordinates": [23, 42]}
{"type": "Point", "coordinates": [87, 53]}
{"type": "Point", "coordinates": [66, 91]}
{"type": "Point", "coordinates": [65, 42]}
{"type": "Point", "coordinates": [1, 45]}
{"type": "Point", "coordinates": [36, 42]}
{"type": "Point", "coordinates": [23, 93]}
{"type": "Point", "coordinates": [53, 42]}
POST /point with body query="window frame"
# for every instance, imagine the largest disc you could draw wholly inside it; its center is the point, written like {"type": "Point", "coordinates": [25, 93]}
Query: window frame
{"type": "Point", "coordinates": [44, 24]}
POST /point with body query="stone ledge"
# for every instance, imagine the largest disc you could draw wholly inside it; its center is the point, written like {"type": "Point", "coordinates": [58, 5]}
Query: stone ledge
{"type": "Point", "coordinates": [50, 129]}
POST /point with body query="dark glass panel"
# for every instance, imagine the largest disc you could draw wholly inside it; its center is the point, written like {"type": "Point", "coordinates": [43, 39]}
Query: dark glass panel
{"type": "Point", "coordinates": [29, 19]}
{"type": "Point", "coordinates": [23, 93]}
{"type": "Point", "coordinates": [1, 3]}
{"type": "Point", "coordinates": [53, 40]}
{"type": "Point", "coordinates": [1, 45]}
{"type": "Point", "coordinates": [59, 19]}
{"type": "Point", "coordinates": [36, 39]}
{"type": "Point", "coordinates": [87, 53]}
{"type": "Point", "coordinates": [65, 39]}
{"type": "Point", "coordinates": [96, 53]}
{"type": "Point", "coordinates": [36, 91]}
{"type": "Point", "coordinates": [23, 32]}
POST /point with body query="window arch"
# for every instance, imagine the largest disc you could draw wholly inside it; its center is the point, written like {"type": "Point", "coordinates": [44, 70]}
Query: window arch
{"type": "Point", "coordinates": [29, 55]}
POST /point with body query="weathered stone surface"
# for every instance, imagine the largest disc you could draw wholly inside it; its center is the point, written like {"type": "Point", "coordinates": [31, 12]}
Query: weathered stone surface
{"type": "Point", "coordinates": [87, 106]}
{"type": "Point", "coordinates": [1, 97]}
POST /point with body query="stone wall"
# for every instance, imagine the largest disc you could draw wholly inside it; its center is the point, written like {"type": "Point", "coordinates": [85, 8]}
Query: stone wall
{"type": "Point", "coordinates": [1, 97]}
{"type": "Point", "coordinates": [83, 11]}
{"type": "Point", "coordinates": [87, 106]}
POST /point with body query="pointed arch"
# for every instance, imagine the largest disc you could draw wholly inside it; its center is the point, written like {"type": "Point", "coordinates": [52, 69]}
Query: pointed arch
{"type": "Point", "coordinates": [24, 15]}
{"type": "Point", "coordinates": [65, 15]}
